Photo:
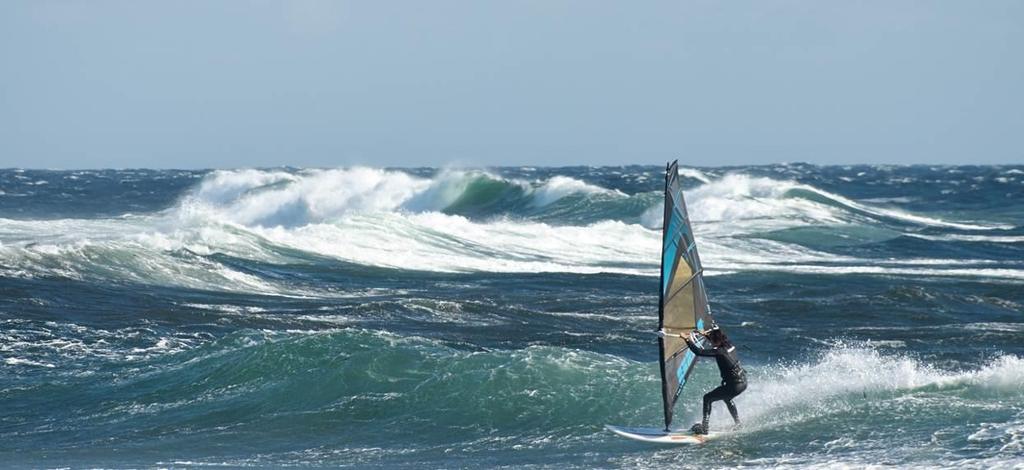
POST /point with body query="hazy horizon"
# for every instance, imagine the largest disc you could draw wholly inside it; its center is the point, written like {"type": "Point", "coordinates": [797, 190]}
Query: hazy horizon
{"type": "Point", "coordinates": [448, 166]}
{"type": "Point", "coordinates": [194, 85]}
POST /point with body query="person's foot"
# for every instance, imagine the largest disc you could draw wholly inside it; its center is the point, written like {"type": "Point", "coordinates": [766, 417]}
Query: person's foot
{"type": "Point", "coordinates": [699, 429]}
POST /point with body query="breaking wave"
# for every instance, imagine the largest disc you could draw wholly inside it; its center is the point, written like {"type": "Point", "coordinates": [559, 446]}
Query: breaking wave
{"type": "Point", "coordinates": [850, 376]}
{"type": "Point", "coordinates": [473, 220]}
{"type": "Point", "coordinates": [293, 199]}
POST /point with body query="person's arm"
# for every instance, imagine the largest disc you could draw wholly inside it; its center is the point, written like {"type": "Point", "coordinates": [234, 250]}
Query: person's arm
{"type": "Point", "coordinates": [710, 352]}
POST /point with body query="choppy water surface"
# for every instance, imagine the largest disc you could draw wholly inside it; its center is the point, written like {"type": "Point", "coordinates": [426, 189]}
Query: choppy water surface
{"type": "Point", "coordinates": [468, 318]}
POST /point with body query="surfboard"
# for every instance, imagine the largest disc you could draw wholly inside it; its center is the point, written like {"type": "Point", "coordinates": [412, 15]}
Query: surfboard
{"type": "Point", "coordinates": [682, 308]}
{"type": "Point", "coordinates": [659, 435]}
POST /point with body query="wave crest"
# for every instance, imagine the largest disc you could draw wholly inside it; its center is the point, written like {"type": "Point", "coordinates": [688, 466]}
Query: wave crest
{"type": "Point", "coordinates": [258, 198]}
{"type": "Point", "coordinates": [848, 376]}
{"type": "Point", "coordinates": [472, 220]}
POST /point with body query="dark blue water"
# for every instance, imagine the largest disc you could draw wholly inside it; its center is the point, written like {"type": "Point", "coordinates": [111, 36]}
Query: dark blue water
{"type": "Point", "coordinates": [467, 318]}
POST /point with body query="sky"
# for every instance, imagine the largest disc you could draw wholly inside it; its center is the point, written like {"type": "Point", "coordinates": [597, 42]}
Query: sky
{"type": "Point", "coordinates": [316, 83]}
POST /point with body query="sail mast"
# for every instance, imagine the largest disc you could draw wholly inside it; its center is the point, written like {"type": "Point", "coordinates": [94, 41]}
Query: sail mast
{"type": "Point", "coordinates": [665, 400]}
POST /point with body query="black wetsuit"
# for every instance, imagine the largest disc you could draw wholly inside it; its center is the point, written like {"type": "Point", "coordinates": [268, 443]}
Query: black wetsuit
{"type": "Point", "coordinates": [734, 379]}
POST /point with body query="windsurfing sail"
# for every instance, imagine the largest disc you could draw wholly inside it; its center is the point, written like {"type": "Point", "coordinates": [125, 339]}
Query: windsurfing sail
{"type": "Point", "coordinates": [684, 302]}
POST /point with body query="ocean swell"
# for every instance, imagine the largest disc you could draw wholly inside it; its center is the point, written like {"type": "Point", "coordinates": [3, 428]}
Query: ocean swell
{"type": "Point", "coordinates": [479, 221]}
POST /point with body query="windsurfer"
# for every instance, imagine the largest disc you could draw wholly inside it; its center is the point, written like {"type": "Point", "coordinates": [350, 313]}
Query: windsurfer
{"type": "Point", "coordinates": [734, 379]}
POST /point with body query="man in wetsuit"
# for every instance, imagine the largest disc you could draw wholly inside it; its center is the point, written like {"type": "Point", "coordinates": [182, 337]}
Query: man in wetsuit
{"type": "Point", "coordinates": [734, 379]}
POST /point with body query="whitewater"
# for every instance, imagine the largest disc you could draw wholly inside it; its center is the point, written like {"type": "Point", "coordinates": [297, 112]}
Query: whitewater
{"type": "Point", "coordinates": [468, 317]}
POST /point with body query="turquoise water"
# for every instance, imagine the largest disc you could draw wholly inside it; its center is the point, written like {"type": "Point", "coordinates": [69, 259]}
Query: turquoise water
{"type": "Point", "coordinates": [482, 318]}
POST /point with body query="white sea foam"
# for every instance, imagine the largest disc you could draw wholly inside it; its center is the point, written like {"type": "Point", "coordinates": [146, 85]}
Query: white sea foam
{"type": "Point", "coordinates": [991, 273]}
{"type": "Point", "coordinates": [802, 391]}
{"type": "Point", "coordinates": [559, 187]}
{"type": "Point", "coordinates": [256, 198]}
{"type": "Point", "coordinates": [737, 197]}
{"type": "Point", "coordinates": [695, 174]}
{"type": "Point", "coordinates": [439, 242]}
{"type": "Point", "coordinates": [742, 197]}
{"type": "Point", "coordinates": [15, 361]}
{"type": "Point", "coordinates": [277, 198]}
{"type": "Point", "coordinates": [905, 216]}
{"type": "Point", "coordinates": [445, 189]}
{"type": "Point", "coordinates": [51, 344]}
{"type": "Point", "coordinates": [393, 219]}
{"type": "Point", "coordinates": [972, 238]}
{"type": "Point", "coordinates": [1009, 436]}
{"type": "Point", "coordinates": [135, 250]}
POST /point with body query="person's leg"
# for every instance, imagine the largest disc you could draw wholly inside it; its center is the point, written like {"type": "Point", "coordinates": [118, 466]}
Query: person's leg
{"type": "Point", "coordinates": [736, 389]}
{"type": "Point", "coordinates": [705, 420]}
{"type": "Point", "coordinates": [719, 393]}
{"type": "Point", "coordinates": [733, 411]}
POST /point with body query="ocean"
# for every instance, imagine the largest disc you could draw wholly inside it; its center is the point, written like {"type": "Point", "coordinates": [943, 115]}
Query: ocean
{"type": "Point", "coordinates": [483, 318]}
